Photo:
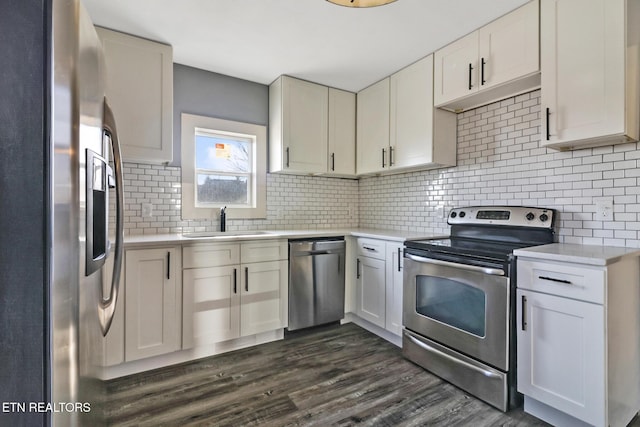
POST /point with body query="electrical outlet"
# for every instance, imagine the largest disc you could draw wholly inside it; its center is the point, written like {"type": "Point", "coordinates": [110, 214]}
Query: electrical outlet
{"type": "Point", "coordinates": [604, 209]}
{"type": "Point", "coordinates": [147, 210]}
{"type": "Point", "coordinates": [439, 211]}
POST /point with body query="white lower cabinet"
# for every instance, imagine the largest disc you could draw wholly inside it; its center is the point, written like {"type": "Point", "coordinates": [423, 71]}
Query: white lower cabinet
{"type": "Point", "coordinates": [370, 290]}
{"type": "Point", "coordinates": [263, 297]}
{"type": "Point", "coordinates": [152, 302]}
{"type": "Point", "coordinates": [211, 305]}
{"type": "Point", "coordinates": [379, 283]}
{"type": "Point", "coordinates": [578, 341]}
{"type": "Point", "coordinates": [225, 298]}
{"type": "Point", "coordinates": [560, 354]}
{"type": "Point", "coordinates": [393, 286]}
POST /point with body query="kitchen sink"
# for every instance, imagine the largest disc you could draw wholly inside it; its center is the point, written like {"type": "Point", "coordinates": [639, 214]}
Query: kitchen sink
{"type": "Point", "coordinates": [223, 234]}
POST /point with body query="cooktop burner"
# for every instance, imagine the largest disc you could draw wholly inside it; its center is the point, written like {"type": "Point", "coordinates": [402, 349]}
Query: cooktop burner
{"type": "Point", "coordinates": [483, 235]}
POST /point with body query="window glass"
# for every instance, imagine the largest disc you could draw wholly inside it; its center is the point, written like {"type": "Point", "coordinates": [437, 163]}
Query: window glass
{"type": "Point", "coordinates": [223, 164]}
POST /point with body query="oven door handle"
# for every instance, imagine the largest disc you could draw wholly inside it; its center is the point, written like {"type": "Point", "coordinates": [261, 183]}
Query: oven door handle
{"type": "Point", "coordinates": [485, 270]}
{"type": "Point", "coordinates": [451, 358]}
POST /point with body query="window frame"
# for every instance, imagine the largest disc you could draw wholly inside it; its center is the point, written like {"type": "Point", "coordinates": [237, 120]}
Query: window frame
{"type": "Point", "coordinates": [191, 124]}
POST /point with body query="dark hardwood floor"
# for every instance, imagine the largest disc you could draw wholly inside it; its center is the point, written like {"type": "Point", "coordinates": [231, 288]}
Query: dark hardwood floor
{"type": "Point", "coordinates": [339, 376]}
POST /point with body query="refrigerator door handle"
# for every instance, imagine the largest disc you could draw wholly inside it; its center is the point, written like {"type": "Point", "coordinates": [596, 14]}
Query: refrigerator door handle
{"type": "Point", "coordinates": [107, 305]}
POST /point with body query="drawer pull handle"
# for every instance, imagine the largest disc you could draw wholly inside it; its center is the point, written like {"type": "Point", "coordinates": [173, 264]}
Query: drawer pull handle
{"type": "Point", "coordinates": [552, 279]}
{"type": "Point", "coordinates": [369, 249]}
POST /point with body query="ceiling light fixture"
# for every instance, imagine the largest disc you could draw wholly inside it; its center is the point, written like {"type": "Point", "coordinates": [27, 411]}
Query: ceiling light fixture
{"type": "Point", "coordinates": [361, 3]}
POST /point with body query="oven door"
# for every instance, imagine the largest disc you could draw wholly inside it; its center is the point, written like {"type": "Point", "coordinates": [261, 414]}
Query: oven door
{"type": "Point", "coordinates": [463, 307]}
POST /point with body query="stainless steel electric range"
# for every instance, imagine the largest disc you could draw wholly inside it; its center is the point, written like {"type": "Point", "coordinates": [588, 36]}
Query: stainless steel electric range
{"type": "Point", "coordinates": [458, 304]}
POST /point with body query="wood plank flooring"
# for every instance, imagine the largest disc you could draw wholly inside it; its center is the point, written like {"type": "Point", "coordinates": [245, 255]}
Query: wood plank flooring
{"type": "Point", "coordinates": [339, 376]}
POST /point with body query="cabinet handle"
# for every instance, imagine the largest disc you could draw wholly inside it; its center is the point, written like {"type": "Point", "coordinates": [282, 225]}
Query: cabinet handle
{"type": "Point", "coordinates": [470, 72]}
{"type": "Point", "coordinates": [287, 153]}
{"type": "Point", "coordinates": [246, 279]}
{"type": "Point", "coordinates": [369, 249]}
{"type": "Point", "coordinates": [357, 268]}
{"type": "Point", "coordinates": [235, 280]}
{"type": "Point", "coordinates": [333, 161]}
{"type": "Point", "coordinates": [399, 259]}
{"type": "Point", "coordinates": [552, 279]}
{"type": "Point", "coordinates": [390, 156]}
{"type": "Point", "coordinates": [523, 320]}
{"type": "Point", "coordinates": [482, 64]}
{"type": "Point", "coordinates": [168, 265]}
{"type": "Point", "coordinates": [383, 153]}
{"type": "Point", "coordinates": [548, 113]}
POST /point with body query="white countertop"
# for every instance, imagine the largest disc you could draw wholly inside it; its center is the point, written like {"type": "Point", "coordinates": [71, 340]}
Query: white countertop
{"type": "Point", "coordinates": [399, 236]}
{"type": "Point", "coordinates": [580, 254]}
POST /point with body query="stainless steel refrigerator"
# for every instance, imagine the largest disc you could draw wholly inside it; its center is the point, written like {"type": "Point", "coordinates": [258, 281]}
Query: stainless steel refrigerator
{"type": "Point", "coordinates": [59, 165]}
{"type": "Point", "coordinates": [87, 170]}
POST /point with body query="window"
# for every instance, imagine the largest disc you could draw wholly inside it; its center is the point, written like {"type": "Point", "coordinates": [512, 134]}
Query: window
{"type": "Point", "coordinates": [223, 164]}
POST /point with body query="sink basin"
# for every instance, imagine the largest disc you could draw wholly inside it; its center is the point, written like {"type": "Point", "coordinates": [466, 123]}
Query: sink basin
{"type": "Point", "coordinates": [223, 234]}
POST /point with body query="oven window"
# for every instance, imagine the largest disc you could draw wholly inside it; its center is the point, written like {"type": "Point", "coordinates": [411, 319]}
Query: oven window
{"type": "Point", "coordinates": [451, 302]}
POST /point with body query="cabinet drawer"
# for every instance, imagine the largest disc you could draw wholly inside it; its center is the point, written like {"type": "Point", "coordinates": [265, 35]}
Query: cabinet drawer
{"type": "Point", "coordinates": [568, 280]}
{"type": "Point", "coordinates": [210, 255]}
{"type": "Point", "coordinates": [371, 248]}
{"type": "Point", "coordinates": [264, 250]}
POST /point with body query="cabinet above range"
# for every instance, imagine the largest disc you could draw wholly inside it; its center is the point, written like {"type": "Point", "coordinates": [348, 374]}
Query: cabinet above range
{"type": "Point", "coordinates": [498, 60]}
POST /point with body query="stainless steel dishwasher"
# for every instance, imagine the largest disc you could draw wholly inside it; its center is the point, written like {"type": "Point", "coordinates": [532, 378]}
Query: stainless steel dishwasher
{"type": "Point", "coordinates": [316, 282]}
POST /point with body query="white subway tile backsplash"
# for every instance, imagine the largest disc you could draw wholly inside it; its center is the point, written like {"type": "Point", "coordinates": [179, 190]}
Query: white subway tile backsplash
{"type": "Point", "coordinates": [293, 202]}
{"type": "Point", "coordinates": [500, 162]}
{"type": "Point", "coordinates": [506, 165]}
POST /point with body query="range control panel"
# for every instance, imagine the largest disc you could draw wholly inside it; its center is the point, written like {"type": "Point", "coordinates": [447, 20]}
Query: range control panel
{"type": "Point", "coordinates": [516, 216]}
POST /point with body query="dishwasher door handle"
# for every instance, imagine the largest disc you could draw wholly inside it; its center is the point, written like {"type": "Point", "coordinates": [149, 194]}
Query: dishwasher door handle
{"type": "Point", "coordinates": [319, 252]}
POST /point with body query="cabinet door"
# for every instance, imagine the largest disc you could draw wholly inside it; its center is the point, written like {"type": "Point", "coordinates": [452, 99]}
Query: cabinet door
{"type": "Point", "coordinates": [509, 47]}
{"type": "Point", "coordinates": [561, 354]}
{"type": "Point", "coordinates": [305, 126]}
{"type": "Point", "coordinates": [153, 300]}
{"type": "Point", "coordinates": [342, 133]}
{"type": "Point", "coordinates": [455, 69]}
{"type": "Point", "coordinates": [582, 60]}
{"type": "Point", "coordinates": [211, 305]}
{"type": "Point", "coordinates": [139, 87]}
{"type": "Point", "coordinates": [394, 278]}
{"type": "Point", "coordinates": [373, 128]}
{"type": "Point", "coordinates": [263, 297]}
{"type": "Point", "coordinates": [370, 289]}
{"type": "Point", "coordinates": [411, 127]}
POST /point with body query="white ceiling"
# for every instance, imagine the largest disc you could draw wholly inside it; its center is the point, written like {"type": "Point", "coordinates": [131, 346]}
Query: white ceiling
{"type": "Point", "coordinates": [315, 40]}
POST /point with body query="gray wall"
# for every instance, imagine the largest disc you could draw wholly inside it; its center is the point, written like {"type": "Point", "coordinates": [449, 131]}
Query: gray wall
{"type": "Point", "coordinates": [209, 94]}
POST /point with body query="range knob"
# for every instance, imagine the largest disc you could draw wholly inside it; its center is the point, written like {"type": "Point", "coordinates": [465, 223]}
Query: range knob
{"type": "Point", "coordinates": [544, 217]}
{"type": "Point", "coordinates": [530, 216]}
{"type": "Point", "coordinates": [462, 214]}
{"type": "Point", "coordinates": [453, 214]}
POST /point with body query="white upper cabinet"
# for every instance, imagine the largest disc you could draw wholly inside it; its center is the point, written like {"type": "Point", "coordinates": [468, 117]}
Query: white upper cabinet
{"type": "Point", "coordinates": [455, 69]}
{"type": "Point", "coordinates": [398, 128]}
{"type": "Point", "coordinates": [496, 61]}
{"type": "Point", "coordinates": [311, 129]}
{"type": "Point", "coordinates": [418, 134]}
{"type": "Point", "coordinates": [139, 87]}
{"type": "Point", "coordinates": [373, 128]}
{"type": "Point", "coordinates": [298, 126]}
{"type": "Point", "coordinates": [590, 74]}
{"type": "Point", "coordinates": [342, 133]}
